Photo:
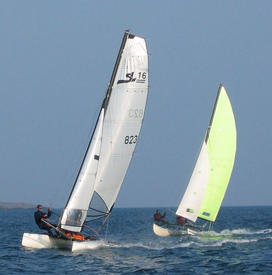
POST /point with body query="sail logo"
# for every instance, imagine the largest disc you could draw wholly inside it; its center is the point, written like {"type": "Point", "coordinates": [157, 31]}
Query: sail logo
{"type": "Point", "coordinates": [206, 214]}
{"type": "Point", "coordinates": [141, 77]}
{"type": "Point", "coordinates": [189, 210]}
{"type": "Point", "coordinates": [130, 78]}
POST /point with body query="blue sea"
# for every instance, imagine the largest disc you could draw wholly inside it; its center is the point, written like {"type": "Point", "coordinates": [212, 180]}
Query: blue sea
{"type": "Point", "coordinates": [241, 244]}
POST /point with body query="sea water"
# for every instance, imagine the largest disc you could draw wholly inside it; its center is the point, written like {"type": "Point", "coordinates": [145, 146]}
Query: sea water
{"type": "Point", "coordinates": [240, 244]}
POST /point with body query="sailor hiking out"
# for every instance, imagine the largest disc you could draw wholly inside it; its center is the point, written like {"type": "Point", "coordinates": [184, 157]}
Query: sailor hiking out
{"type": "Point", "coordinates": [40, 216]}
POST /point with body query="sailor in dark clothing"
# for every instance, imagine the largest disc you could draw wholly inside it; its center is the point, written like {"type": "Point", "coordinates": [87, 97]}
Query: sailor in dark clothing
{"type": "Point", "coordinates": [40, 216]}
{"type": "Point", "coordinates": [158, 217]}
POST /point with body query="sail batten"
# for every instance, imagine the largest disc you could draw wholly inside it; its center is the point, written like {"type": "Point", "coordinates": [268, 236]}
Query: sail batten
{"type": "Point", "coordinates": [115, 137]}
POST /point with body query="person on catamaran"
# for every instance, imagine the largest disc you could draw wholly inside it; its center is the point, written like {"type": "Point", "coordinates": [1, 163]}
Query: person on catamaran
{"type": "Point", "coordinates": [158, 217]}
{"type": "Point", "coordinates": [180, 220]}
{"type": "Point", "coordinates": [40, 216]}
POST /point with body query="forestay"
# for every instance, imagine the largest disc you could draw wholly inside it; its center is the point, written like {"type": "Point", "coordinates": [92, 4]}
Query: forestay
{"type": "Point", "coordinates": [114, 139]}
{"type": "Point", "coordinates": [210, 178]}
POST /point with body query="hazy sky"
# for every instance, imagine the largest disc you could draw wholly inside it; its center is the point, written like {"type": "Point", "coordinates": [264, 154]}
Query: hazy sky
{"type": "Point", "coordinates": [56, 60]}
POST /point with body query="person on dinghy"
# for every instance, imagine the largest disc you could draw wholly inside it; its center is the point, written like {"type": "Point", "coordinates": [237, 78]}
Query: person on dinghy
{"type": "Point", "coordinates": [158, 217]}
{"type": "Point", "coordinates": [40, 216]}
{"type": "Point", "coordinates": [180, 220]}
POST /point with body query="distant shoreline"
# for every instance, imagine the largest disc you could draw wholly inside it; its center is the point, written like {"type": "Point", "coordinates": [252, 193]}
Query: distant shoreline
{"type": "Point", "coordinates": [15, 205]}
{"type": "Point", "coordinates": [23, 205]}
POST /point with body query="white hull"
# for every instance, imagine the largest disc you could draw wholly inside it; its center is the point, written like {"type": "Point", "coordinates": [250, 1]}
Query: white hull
{"type": "Point", "coordinates": [39, 241]}
{"type": "Point", "coordinates": [165, 232]}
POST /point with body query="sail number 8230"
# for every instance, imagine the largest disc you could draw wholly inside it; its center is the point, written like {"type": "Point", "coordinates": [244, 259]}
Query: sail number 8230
{"type": "Point", "coordinates": [131, 139]}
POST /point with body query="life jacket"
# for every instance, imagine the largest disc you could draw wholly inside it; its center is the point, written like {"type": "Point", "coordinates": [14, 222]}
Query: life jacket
{"type": "Point", "coordinates": [75, 237]}
{"type": "Point", "coordinates": [181, 220]}
{"type": "Point", "coordinates": [158, 217]}
{"type": "Point", "coordinates": [78, 238]}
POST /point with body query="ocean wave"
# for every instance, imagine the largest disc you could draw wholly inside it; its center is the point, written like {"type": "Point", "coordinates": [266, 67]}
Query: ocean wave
{"type": "Point", "coordinates": [233, 232]}
{"type": "Point", "coordinates": [208, 239]}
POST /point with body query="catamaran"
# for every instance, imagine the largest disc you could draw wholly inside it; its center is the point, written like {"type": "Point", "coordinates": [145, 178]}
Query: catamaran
{"type": "Point", "coordinates": [108, 154]}
{"type": "Point", "coordinates": [211, 175]}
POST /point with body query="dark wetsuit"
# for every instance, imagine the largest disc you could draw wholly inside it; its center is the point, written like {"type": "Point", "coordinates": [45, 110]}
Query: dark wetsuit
{"type": "Point", "coordinates": [38, 215]}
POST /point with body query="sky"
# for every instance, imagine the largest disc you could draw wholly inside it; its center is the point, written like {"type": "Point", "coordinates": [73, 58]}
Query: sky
{"type": "Point", "coordinates": [56, 60]}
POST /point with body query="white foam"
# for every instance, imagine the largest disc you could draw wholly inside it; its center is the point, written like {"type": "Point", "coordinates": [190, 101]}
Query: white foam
{"type": "Point", "coordinates": [238, 231]}
{"type": "Point", "coordinates": [151, 246]}
{"type": "Point", "coordinates": [203, 239]}
{"type": "Point", "coordinates": [224, 242]}
{"type": "Point", "coordinates": [88, 245]}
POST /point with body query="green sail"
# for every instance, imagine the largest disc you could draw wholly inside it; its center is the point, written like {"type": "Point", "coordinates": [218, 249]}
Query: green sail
{"type": "Point", "coordinates": [221, 143]}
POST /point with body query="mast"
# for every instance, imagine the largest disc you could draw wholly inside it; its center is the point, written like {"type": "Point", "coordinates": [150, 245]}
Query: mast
{"type": "Point", "coordinates": [117, 62]}
{"type": "Point", "coordinates": [212, 116]}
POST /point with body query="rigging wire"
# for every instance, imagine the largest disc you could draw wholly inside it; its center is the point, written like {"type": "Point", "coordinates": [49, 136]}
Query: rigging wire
{"type": "Point", "coordinates": [107, 229]}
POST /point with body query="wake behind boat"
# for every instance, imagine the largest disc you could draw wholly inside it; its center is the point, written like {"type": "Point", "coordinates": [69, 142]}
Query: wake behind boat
{"type": "Point", "coordinates": [108, 155]}
{"type": "Point", "coordinates": [209, 181]}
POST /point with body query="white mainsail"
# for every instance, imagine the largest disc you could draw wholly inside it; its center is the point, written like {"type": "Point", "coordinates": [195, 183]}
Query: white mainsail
{"type": "Point", "coordinates": [113, 143]}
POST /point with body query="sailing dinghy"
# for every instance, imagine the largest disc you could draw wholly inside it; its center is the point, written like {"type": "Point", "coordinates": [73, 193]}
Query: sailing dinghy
{"type": "Point", "coordinates": [211, 175]}
{"type": "Point", "coordinates": [108, 155]}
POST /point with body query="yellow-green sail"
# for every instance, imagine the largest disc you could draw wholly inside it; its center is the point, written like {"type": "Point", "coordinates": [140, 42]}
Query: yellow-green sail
{"type": "Point", "coordinates": [221, 144]}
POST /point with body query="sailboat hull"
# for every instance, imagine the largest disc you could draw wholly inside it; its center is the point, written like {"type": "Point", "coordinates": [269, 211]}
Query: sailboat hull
{"type": "Point", "coordinates": [40, 241]}
{"type": "Point", "coordinates": [166, 232]}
